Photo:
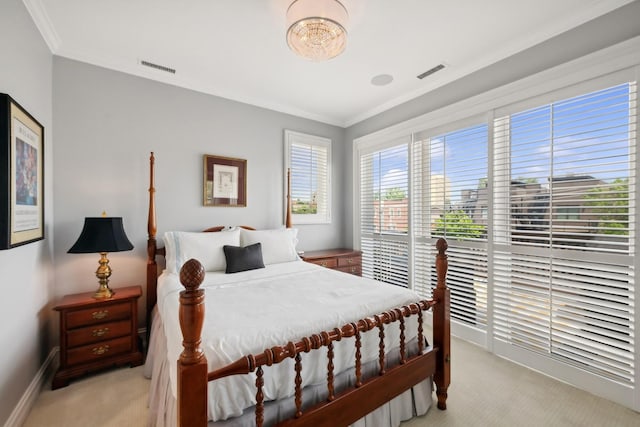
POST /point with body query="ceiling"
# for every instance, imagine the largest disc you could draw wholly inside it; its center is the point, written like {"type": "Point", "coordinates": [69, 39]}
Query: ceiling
{"type": "Point", "coordinates": [236, 49]}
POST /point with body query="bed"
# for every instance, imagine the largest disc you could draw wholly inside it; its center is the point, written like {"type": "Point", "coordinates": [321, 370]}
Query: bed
{"type": "Point", "coordinates": [286, 342]}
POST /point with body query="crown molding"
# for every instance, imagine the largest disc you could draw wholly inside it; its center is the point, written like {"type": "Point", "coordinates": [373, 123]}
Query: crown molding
{"type": "Point", "coordinates": [41, 18]}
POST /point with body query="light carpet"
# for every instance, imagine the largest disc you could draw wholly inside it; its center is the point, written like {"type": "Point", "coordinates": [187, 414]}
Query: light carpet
{"type": "Point", "coordinates": [485, 391]}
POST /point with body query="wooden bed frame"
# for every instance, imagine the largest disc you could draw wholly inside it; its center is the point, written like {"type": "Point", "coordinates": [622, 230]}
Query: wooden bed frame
{"type": "Point", "coordinates": [341, 408]}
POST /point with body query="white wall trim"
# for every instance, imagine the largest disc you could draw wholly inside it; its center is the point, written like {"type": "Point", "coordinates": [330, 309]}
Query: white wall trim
{"type": "Point", "coordinates": [604, 65]}
{"type": "Point", "coordinates": [22, 409]}
{"type": "Point", "coordinates": [609, 60]}
{"type": "Point", "coordinates": [621, 56]}
{"type": "Point", "coordinates": [43, 22]}
{"type": "Point", "coordinates": [41, 18]}
{"type": "Point", "coordinates": [290, 138]}
{"type": "Point", "coordinates": [572, 375]}
{"type": "Point", "coordinates": [24, 406]}
{"type": "Point", "coordinates": [41, 379]}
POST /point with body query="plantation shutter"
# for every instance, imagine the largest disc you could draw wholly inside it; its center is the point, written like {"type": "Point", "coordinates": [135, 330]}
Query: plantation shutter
{"type": "Point", "coordinates": [451, 200]}
{"type": "Point", "coordinates": [384, 214]}
{"type": "Point", "coordinates": [308, 158]}
{"type": "Point", "coordinates": [564, 228]}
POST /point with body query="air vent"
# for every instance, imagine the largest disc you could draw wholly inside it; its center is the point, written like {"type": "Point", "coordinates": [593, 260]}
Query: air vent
{"type": "Point", "coordinates": [431, 71]}
{"type": "Point", "coordinates": [158, 67]}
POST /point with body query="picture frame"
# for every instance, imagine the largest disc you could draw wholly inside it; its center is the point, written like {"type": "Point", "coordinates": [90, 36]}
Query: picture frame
{"type": "Point", "coordinates": [21, 175]}
{"type": "Point", "coordinates": [225, 181]}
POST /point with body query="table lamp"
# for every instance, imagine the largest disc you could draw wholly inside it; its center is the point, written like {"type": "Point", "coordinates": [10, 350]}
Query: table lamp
{"type": "Point", "coordinates": [101, 235]}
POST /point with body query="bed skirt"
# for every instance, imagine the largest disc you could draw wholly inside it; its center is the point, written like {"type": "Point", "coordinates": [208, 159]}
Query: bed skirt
{"type": "Point", "coordinates": [162, 403]}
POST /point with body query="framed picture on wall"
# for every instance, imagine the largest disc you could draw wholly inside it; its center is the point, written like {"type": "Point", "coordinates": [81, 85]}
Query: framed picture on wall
{"type": "Point", "coordinates": [21, 175]}
{"type": "Point", "coordinates": [225, 181]}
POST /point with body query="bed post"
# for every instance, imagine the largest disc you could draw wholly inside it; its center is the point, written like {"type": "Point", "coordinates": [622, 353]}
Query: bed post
{"type": "Point", "coordinates": [287, 221]}
{"type": "Point", "coordinates": [152, 267]}
{"type": "Point", "coordinates": [441, 327]}
{"type": "Point", "coordinates": [192, 364]}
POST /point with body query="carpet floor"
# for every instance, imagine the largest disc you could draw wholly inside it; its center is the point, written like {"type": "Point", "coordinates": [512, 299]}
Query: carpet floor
{"type": "Point", "coordinates": [485, 391]}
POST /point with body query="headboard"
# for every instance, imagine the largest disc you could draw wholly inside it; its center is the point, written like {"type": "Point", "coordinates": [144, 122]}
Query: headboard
{"type": "Point", "coordinates": [154, 251]}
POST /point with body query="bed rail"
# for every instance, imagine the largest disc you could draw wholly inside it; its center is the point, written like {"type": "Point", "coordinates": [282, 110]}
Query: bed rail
{"type": "Point", "coordinates": [341, 408]}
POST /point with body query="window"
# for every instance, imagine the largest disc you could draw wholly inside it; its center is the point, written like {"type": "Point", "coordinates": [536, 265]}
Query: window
{"type": "Point", "coordinates": [308, 158]}
{"type": "Point", "coordinates": [450, 193]}
{"type": "Point", "coordinates": [564, 274]}
{"type": "Point", "coordinates": [384, 214]}
{"type": "Point", "coordinates": [568, 213]}
{"type": "Point", "coordinates": [536, 194]}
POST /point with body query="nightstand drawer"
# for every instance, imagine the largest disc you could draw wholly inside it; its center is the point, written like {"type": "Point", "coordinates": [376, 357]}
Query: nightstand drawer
{"type": "Point", "coordinates": [325, 262]}
{"type": "Point", "coordinates": [349, 261]}
{"type": "Point", "coordinates": [98, 350]}
{"type": "Point", "coordinates": [105, 313]}
{"type": "Point", "coordinates": [354, 269]}
{"type": "Point", "coordinates": [96, 333]}
{"type": "Point", "coordinates": [341, 259]}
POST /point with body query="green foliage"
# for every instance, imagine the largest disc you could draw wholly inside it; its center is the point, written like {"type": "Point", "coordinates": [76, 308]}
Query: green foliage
{"type": "Point", "coordinates": [611, 204]}
{"type": "Point", "coordinates": [458, 225]}
{"type": "Point", "coordinates": [300, 207]}
{"type": "Point", "coordinates": [395, 194]}
{"type": "Point", "coordinates": [304, 209]}
{"type": "Point", "coordinates": [527, 180]}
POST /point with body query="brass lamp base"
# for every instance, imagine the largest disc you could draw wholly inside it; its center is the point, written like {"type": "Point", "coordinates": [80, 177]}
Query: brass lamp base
{"type": "Point", "coordinates": [103, 292]}
{"type": "Point", "coordinates": [102, 273]}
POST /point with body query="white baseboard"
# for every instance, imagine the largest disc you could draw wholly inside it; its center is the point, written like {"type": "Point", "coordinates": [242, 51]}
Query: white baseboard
{"type": "Point", "coordinates": [22, 409]}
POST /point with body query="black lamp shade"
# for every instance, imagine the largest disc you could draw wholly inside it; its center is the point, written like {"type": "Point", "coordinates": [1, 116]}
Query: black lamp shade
{"type": "Point", "coordinates": [101, 234]}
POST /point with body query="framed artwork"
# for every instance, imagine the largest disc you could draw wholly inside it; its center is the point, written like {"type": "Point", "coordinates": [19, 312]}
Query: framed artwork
{"type": "Point", "coordinates": [21, 175]}
{"type": "Point", "coordinates": [225, 181]}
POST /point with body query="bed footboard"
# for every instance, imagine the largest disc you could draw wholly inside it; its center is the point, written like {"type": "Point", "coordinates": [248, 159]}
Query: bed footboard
{"type": "Point", "coordinates": [340, 409]}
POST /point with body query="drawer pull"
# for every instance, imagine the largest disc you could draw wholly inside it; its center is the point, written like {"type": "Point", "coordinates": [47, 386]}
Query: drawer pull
{"type": "Point", "coordinates": [100, 350]}
{"type": "Point", "coordinates": [350, 260]}
{"type": "Point", "coordinates": [100, 332]}
{"type": "Point", "coordinates": [354, 270]}
{"type": "Point", "coordinates": [323, 263]}
{"type": "Point", "coordinates": [100, 314]}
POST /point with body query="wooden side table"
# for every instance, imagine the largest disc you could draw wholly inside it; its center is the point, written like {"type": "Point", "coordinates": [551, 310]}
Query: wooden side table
{"type": "Point", "coordinates": [341, 259]}
{"type": "Point", "coordinates": [97, 333]}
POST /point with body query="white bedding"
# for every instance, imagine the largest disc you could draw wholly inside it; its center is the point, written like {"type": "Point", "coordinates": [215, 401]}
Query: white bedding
{"type": "Point", "coordinates": [250, 311]}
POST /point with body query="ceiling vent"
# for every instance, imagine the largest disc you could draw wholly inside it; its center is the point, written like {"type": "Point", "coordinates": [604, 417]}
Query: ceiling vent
{"type": "Point", "coordinates": [158, 67]}
{"type": "Point", "coordinates": [431, 71]}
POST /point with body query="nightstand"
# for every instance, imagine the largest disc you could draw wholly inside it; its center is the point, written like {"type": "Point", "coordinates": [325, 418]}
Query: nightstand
{"type": "Point", "coordinates": [97, 333]}
{"type": "Point", "coordinates": [345, 260]}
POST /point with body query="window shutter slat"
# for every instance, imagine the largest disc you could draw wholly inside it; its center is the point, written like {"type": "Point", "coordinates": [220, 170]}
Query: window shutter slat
{"type": "Point", "coordinates": [384, 215]}
{"type": "Point", "coordinates": [566, 265]}
{"type": "Point", "coordinates": [309, 160]}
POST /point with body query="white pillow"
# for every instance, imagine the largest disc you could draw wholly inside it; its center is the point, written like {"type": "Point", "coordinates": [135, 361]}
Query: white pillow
{"type": "Point", "coordinates": [181, 246]}
{"type": "Point", "coordinates": [277, 245]}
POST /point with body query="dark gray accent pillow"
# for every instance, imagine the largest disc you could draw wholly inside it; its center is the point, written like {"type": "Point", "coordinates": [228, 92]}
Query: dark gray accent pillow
{"type": "Point", "coordinates": [243, 258]}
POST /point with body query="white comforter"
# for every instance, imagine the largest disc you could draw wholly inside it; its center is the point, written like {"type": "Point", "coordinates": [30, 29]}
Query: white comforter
{"type": "Point", "coordinates": [250, 311]}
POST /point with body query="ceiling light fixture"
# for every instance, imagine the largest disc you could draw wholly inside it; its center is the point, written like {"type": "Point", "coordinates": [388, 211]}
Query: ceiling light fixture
{"type": "Point", "coordinates": [317, 28]}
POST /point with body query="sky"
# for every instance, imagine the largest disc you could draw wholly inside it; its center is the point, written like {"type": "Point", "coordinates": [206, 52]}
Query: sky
{"type": "Point", "coordinates": [585, 135]}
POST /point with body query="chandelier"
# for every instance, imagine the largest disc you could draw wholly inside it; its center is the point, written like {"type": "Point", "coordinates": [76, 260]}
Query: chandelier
{"type": "Point", "coordinates": [317, 28]}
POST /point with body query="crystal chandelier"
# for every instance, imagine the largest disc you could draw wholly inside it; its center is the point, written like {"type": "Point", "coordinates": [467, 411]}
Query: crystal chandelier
{"type": "Point", "coordinates": [317, 28]}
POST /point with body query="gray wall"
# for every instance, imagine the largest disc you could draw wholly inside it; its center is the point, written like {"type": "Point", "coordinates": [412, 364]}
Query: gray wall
{"type": "Point", "coordinates": [107, 123]}
{"type": "Point", "coordinates": [25, 272]}
{"type": "Point", "coordinates": [614, 27]}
